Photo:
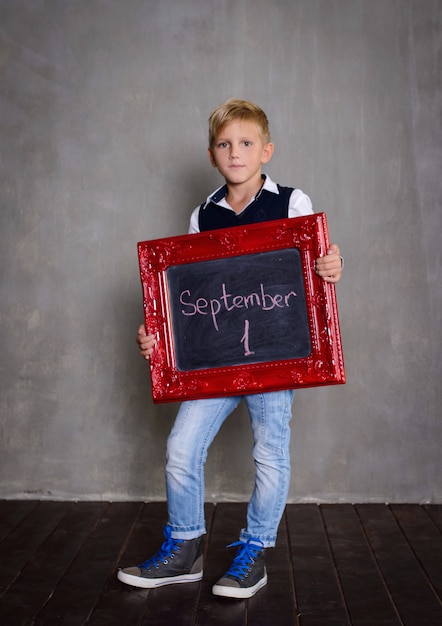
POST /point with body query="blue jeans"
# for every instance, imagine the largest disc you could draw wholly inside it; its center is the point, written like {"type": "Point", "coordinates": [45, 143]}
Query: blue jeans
{"type": "Point", "coordinates": [196, 425]}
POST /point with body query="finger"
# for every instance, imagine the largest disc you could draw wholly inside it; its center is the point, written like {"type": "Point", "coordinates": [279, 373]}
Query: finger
{"type": "Point", "coordinates": [142, 331]}
{"type": "Point", "coordinates": [333, 249]}
{"type": "Point", "coordinates": [331, 279]}
{"type": "Point", "coordinates": [327, 269]}
{"type": "Point", "coordinates": [147, 346]}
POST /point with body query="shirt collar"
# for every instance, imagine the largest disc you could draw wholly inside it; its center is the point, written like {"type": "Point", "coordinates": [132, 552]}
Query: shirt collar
{"type": "Point", "coordinates": [219, 194]}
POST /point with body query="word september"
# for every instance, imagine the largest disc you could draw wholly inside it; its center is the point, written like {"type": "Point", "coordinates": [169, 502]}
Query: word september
{"type": "Point", "coordinates": [228, 302]}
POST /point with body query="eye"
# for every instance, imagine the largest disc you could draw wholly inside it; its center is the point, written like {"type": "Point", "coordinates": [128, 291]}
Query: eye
{"type": "Point", "coordinates": [247, 143]}
{"type": "Point", "coordinates": [222, 144]}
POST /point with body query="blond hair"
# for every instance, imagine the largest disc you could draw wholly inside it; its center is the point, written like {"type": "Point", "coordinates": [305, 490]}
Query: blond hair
{"type": "Point", "coordinates": [236, 109]}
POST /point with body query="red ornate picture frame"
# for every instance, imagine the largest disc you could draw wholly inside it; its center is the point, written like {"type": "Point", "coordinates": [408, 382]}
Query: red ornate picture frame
{"type": "Point", "coordinates": [241, 310]}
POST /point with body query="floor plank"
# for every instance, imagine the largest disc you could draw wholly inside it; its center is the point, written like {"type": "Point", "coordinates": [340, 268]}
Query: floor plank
{"type": "Point", "coordinates": [319, 597]}
{"type": "Point", "coordinates": [77, 593]}
{"type": "Point", "coordinates": [23, 542]}
{"type": "Point", "coordinates": [12, 513]}
{"type": "Point", "coordinates": [357, 565]}
{"type": "Point", "coordinates": [119, 603]}
{"type": "Point", "coordinates": [435, 512]}
{"type": "Point", "coordinates": [357, 568]}
{"type": "Point", "coordinates": [423, 537]}
{"type": "Point", "coordinates": [414, 598]}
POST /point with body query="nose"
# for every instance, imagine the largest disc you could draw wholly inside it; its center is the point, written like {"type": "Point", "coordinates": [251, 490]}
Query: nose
{"type": "Point", "coordinates": [233, 152]}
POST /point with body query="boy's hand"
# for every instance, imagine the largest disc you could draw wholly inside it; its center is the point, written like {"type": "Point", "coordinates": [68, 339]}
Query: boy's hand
{"type": "Point", "coordinates": [145, 342]}
{"type": "Point", "coordinates": [329, 267]}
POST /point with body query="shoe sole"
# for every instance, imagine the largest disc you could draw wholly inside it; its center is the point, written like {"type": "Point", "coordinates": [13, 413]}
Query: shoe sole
{"type": "Point", "coordinates": [239, 592]}
{"type": "Point", "coordinates": [151, 583]}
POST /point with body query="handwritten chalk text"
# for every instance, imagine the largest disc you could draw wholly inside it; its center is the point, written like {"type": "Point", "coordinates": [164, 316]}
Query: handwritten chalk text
{"type": "Point", "coordinates": [227, 302]}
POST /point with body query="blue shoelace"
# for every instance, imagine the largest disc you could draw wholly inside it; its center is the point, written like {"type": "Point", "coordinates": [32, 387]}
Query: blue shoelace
{"type": "Point", "coordinates": [169, 547]}
{"type": "Point", "coordinates": [247, 555]}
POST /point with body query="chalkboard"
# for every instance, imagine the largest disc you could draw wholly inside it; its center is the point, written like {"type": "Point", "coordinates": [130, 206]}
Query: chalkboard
{"type": "Point", "coordinates": [240, 310]}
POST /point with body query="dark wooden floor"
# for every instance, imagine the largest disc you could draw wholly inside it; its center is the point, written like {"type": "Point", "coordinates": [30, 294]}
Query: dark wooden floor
{"type": "Point", "coordinates": [367, 564]}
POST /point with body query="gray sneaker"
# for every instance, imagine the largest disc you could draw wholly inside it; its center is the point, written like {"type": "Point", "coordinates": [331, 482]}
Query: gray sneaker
{"type": "Point", "coordinates": [247, 573]}
{"type": "Point", "coordinates": [177, 561]}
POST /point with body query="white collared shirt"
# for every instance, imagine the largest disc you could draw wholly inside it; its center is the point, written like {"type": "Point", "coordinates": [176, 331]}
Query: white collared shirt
{"type": "Point", "coordinates": [299, 203]}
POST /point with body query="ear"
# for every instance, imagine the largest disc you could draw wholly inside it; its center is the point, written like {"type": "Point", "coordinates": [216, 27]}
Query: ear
{"type": "Point", "coordinates": [211, 157]}
{"type": "Point", "coordinates": [267, 152]}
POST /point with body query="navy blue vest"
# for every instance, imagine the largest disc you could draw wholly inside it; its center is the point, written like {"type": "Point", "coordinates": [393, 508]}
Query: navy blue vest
{"type": "Point", "coordinates": [267, 206]}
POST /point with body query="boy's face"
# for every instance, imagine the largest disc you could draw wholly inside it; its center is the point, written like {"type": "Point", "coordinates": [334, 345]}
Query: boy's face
{"type": "Point", "coordinates": [239, 152]}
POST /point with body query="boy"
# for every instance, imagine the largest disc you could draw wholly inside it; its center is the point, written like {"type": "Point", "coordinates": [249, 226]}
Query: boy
{"type": "Point", "coordinates": [239, 145]}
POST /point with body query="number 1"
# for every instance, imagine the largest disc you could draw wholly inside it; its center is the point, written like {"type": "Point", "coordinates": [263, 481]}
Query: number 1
{"type": "Point", "coordinates": [245, 339]}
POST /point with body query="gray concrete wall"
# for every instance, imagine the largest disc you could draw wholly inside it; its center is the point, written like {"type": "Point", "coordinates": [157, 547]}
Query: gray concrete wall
{"type": "Point", "coordinates": [103, 114]}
